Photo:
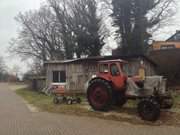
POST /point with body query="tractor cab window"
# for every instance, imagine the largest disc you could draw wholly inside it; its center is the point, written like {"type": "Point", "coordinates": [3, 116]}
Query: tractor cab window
{"type": "Point", "coordinates": [115, 70]}
{"type": "Point", "coordinates": [127, 70]}
{"type": "Point", "coordinates": [103, 68]}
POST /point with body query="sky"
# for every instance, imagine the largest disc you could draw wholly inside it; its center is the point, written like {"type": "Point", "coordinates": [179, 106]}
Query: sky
{"type": "Point", "coordinates": [9, 27]}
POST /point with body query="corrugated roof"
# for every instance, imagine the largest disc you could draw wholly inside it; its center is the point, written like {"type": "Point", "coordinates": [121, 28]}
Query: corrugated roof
{"type": "Point", "coordinates": [115, 60]}
{"type": "Point", "coordinates": [76, 60]}
{"type": "Point", "coordinates": [38, 77]}
{"type": "Point", "coordinates": [100, 58]}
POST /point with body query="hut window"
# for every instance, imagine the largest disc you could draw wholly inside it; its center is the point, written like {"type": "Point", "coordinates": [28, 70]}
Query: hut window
{"type": "Point", "coordinates": [164, 47]}
{"type": "Point", "coordinates": [103, 68]}
{"type": "Point", "coordinates": [59, 76]}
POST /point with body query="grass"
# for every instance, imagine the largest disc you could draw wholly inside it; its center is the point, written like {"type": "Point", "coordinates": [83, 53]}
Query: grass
{"type": "Point", "coordinates": [45, 102]}
{"type": "Point", "coordinates": [176, 100]}
{"type": "Point", "coordinates": [126, 114]}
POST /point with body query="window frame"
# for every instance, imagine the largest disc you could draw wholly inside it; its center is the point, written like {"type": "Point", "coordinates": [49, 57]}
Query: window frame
{"type": "Point", "coordinates": [60, 80]}
{"type": "Point", "coordinates": [167, 47]}
{"type": "Point", "coordinates": [100, 65]}
{"type": "Point", "coordinates": [119, 71]}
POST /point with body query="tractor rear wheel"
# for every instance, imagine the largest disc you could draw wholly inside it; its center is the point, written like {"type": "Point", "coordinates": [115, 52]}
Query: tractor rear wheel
{"type": "Point", "coordinates": [99, 95]}
{"type": "Point", "coordinates": [149, 109]}
{"type": "Point", "coordinates": [120, 99]}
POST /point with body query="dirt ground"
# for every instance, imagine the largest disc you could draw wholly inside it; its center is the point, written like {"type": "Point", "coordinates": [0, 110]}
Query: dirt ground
{"type": "Point", "coordinates": [129, 114]}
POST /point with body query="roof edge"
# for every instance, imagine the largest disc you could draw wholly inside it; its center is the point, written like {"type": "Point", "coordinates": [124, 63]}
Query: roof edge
{"type": "Point", "coordinates": [101, 58]}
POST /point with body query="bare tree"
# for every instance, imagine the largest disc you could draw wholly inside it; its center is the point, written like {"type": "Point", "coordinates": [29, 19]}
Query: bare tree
{"type": "Point", "coordinates": [3, 70]}
{"type": "Point", "coordinates": [2, 65]}
{"type": "Point", "coordinates": [59, 30]}
{"type": "Point", "coordinates": [39, 37]}
{"type": "Point", "coordinates": [60, 8]}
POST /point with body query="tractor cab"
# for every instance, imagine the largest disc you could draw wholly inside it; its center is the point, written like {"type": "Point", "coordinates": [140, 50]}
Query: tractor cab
{"type": "Point", "coordinates": [113, 71]}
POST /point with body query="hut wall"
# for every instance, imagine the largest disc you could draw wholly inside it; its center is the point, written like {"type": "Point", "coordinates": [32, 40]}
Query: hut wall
{"type": "Point", "coordinates": [150, 69]}
{"type": "Point", "coordinates": [37, 84]}
{"type": "Point", "coordinates": [41, 84]}
{"type": "Point", "coordinates": [134, 65]}
{"type": "Point", "coordinates": [50, 68]}
{"type": "Point", "coordinates": [78, 74]}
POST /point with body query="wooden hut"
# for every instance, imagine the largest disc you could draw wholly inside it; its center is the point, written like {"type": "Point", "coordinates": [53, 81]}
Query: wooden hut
{"type": "Point", "coordinates": [74, 74]}
{"type": "Point", "coordinates": [37, 83]}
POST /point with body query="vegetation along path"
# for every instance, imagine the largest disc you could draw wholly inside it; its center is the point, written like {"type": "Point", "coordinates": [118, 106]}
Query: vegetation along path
{"type": "Point", "coordinates": [17, 119]}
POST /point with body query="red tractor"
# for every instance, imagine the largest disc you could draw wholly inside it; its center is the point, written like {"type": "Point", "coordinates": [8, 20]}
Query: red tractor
{"type": "Point", "coordinates": [112, 86]}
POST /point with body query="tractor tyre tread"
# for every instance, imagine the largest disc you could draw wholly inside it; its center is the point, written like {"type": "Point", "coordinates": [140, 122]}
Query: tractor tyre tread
{"type": "Point", "coordinates": [108, 86]}
{"type": "Point", "coordinates": [155, 114]}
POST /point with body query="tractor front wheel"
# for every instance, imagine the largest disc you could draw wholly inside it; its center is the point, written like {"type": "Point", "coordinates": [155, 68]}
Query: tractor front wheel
{"type": "Point", "coordinates": [167, 103]}
{"type": "Point", "coordinates": [149, 109]}
{"type": "Point", "coordinates": [99, 95]}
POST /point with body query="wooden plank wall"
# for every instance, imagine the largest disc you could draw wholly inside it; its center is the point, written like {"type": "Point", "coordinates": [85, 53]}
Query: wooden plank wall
{"type": "Point", "coordinates": [134, 65]}
{"type": "Point", "coordinates": [78, 74]}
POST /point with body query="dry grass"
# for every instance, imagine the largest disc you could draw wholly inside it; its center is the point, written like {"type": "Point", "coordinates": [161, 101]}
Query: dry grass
{"type": "Point", "coordinates": [15, 86]}
{"type": "Point", "coordinates": [126, 114]}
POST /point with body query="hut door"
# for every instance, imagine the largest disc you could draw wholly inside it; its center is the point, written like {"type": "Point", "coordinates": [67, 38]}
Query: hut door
{"type": "Point", "coordinates": [34, 84]}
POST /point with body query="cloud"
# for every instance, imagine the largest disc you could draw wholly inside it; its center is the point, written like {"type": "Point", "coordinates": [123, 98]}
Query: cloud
{"type": "Point", "coordinates": [8, 26]}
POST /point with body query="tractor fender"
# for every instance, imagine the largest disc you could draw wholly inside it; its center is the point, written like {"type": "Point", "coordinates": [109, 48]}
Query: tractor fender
{"type": "Point", "coordinates": [98, 78]}
{"type": "Point", "coordinates": [109, 81]}
{"type": "Point", "coordinates": [88, 82]}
